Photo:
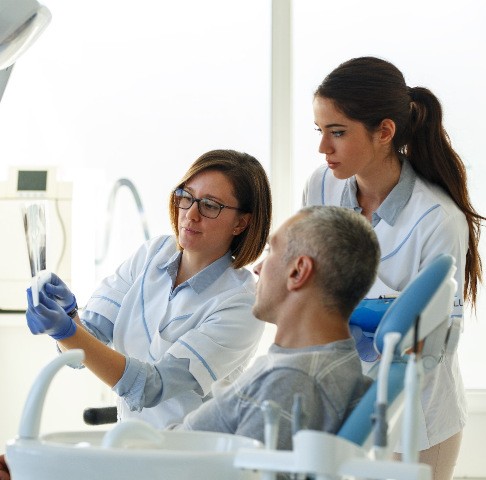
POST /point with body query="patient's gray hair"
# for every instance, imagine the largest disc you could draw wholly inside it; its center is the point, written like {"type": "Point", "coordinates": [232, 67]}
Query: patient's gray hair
{"type": "Point", "coordinates": [344, 249]}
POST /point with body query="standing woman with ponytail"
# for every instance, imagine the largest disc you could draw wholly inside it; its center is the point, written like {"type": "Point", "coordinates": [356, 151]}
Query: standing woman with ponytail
{"type": "Point", "coordinates": [389, 158]}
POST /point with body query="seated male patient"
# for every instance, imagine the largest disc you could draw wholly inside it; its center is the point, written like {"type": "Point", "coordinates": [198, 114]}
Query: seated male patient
{"type": "Point", "coordinates": [320, 264]}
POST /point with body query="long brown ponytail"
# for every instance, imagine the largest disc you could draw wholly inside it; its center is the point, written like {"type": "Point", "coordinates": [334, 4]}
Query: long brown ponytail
{"type": "Point", "coordinates": [370, 89]}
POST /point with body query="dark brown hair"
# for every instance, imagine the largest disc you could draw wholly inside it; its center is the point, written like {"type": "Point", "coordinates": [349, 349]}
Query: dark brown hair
{"type": "Point", "coordinates": [369, 90]}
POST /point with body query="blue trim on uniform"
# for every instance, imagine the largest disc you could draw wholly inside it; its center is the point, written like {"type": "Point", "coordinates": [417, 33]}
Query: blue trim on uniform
{"type": "Point", "coordinates": [323, 183]}
{"type": "Point", "coordinates": [107, 299]}
{"type": "Point", "coordinates": [142, 301]}
{"type": "Point", "coordinates": [213, 376]}
{"type": "Point", "coordinates": [210, 274]}
{"type": "Point", "coordinates": [175, 319]}
{"type": "Point", "coordinates": [410, 233]}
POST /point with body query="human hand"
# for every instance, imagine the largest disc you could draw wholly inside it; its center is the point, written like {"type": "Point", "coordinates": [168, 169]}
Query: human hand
{"type": "Point", "coordinates": [4, 472]}
{"type": "Point", "coordinates": [59, 291]}
{"type": "Point", "coordinates": [48, 317]}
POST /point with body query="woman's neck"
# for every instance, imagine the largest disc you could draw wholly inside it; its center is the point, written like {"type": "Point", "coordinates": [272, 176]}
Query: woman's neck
{"type": "Point", "coordinates": [374, 188]}
{"type": "Point", "coordinates": [190, 264]}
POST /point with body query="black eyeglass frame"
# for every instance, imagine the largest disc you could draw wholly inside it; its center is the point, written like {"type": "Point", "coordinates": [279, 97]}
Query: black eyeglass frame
{"type": "Point", "coordinates": [198, 201]}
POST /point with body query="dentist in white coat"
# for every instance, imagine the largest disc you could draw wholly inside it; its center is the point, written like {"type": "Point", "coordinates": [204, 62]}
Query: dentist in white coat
{"type": "Point", "coordinates": [177, 315]}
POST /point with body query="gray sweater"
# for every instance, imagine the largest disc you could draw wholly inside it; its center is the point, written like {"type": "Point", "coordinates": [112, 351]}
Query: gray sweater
{"type": "Point", "coordinates": [328, 377]}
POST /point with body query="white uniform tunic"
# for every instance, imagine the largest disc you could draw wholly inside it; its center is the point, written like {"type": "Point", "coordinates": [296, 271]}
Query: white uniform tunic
{"type": "Point", "coordinates": [415, 223]}
{"type": "Point", "coordinates": [177, 341]}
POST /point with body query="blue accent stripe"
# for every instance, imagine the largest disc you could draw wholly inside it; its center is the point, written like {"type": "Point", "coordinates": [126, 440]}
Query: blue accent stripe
{"type": "Point", "coordinates": [323, 182]}
{"type": "Point", "coordinates": [106, 299]}
{"type": "Point", "coordinates": [175, 319]}
{"type": "Point", "coordinates": [410, 233]}
{"type": "Point", "coordinates": [141, 290]}
{"type": "Point", "coordinates": [213, 376]}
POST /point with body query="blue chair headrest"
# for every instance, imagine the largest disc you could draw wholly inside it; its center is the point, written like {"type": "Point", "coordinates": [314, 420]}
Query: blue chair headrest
{"type": "Point", "coordinates": [402, 313]}
{"type": "Point", "coordinates": [400, 317]}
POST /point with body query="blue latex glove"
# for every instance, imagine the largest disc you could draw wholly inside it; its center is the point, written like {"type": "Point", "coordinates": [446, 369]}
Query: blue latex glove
{"type": "Point", "coordinates": [59, 291]}
{"type": "Point", "coordinates": [48, 317]}
{"type": "Point", "coordinates": [364, 344]}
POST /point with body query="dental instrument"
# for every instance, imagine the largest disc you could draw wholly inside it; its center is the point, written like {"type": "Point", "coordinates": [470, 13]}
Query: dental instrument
{"type": "Point", "coordinates": [413, 385]}
{"type": "Point", "coordinates": [379, 418]}
{"type": "Point", "coordinates": [298, 414]}
{"type": "Point", "coordinates": [271, 417]}
{"type": "Point", "coordinates": [271, 414]}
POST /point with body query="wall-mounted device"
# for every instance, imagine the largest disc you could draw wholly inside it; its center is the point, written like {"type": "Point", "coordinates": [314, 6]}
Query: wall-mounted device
{"type": "Point", "coordinates": [23, 187]}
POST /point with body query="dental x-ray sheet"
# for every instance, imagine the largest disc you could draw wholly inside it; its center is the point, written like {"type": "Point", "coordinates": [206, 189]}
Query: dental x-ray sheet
{"type": "Point", "coordinates": [35, 235]}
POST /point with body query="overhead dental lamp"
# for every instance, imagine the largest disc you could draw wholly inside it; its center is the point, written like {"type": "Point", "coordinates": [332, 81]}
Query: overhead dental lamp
{"type": "Point", "coordinates": [21, 22]}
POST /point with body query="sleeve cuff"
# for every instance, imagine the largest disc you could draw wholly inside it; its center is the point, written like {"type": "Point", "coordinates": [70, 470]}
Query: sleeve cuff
{"type": "Point", "coordinates": [131, 385]}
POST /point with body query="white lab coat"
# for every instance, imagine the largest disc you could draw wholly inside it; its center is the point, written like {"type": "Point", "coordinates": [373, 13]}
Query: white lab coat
{"type": "Point", "coordinates": [206, 323]}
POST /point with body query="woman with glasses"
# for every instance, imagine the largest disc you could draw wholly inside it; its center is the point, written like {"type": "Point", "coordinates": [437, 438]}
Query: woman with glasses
{"type": "Point", "coordinates": [388, 157]}
{"type": "Point", "coordinates": [178, 312]}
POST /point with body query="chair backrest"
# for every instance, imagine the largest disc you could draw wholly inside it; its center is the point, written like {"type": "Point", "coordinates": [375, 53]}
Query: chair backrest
{"type": "Point", "coordinates": [428, 296]}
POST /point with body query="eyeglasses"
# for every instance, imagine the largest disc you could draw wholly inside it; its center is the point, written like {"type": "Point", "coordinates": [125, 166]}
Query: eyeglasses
{"type": "Point", "coordinates": [207, 208]}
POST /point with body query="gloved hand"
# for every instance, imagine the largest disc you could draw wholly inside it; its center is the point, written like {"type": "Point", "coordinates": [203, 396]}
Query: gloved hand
{"type": "Point", "coordinates": [364, 344]}
{"type": "Point", "coordinates": [48, 317]}
{"type": "Point", "coordinates": [59, 291]}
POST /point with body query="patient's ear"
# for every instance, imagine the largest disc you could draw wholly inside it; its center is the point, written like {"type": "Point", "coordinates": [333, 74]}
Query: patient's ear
{"type": "Point", "coordinates": [302, 269]}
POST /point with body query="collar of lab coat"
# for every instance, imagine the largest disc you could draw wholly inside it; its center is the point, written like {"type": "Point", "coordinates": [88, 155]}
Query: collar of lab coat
{"type": "Point", "coordinates": [203, 279]}
{"type": "Point", "coordinates": [393, 204]}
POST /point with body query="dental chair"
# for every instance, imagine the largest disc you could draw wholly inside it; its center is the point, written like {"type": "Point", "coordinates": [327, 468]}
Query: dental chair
{"type": "Point", "coordinates": [361, 448]}
{"type": "Point", "coordinates": [413, 336]}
